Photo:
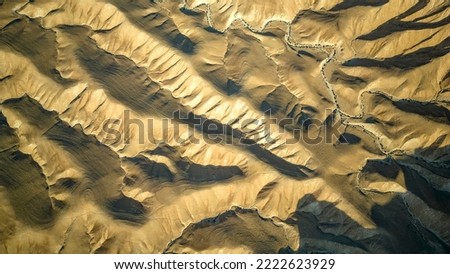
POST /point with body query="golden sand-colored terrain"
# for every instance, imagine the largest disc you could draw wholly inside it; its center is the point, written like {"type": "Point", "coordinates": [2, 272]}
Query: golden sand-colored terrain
{"type": "Point", "coordinates": [224, 126]}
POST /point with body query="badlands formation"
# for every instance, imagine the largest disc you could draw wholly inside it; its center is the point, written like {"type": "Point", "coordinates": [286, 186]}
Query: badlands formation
{"type": "Point", "coordinates": [224, 126]}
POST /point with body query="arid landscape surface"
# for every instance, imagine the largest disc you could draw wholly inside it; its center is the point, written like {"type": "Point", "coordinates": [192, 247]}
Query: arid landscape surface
{"type": "Point", "coordinates": [225, 126]}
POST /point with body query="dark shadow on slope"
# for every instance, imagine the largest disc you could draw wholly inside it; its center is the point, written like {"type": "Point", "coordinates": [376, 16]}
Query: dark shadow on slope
{"type": "Point", "coordinates": [386, 168]}
{"type": "Point", "coordinates": [22, 178]}
{"type": "Point", "coordinates": [278, 101]}
{"type": "Point", "coordinates": [190, 12]}
{"type": "Point", "coordinates": [407, 233]}
{"type": "Point", "coordinates": [283, 166]}
{"type": "Point", "coordinates": [235, 227]}
{"type": "Point", "coordinates": [324, 228]}
{"type": "Point", "coordinates": [444, 83]}
{"type": "Point", "coordinates": [156, 23]}
{"type": "Point", "coordinates": [411, 60]}
{"type": "Point", "coordinates": [348, 138]}
{"type": "Point", "coordinates": [64, 187]}
{"type": "Point", "coordinates": [434, 164]}
{"type": "Point", "coordinates": [127, 209]}
{"type": "Point", "coordinates": [340, 77]}
{"type": "Point", "coordinates": [160, 24]}
{"type": "Point", "coordinates": [424, 179]}
{"type": "Point", "coordinates": [26, 188]}
{"type": "Point", "coordinates": [397, 25]}
{"type": "Point", "coordinates": [130, 85]}
{"type": "Point", "coordinates": [422, 188]}
{"type": "Point", "coordinates": [8, 137]}
{"type": "Point", "coordinates": [197, 173]}
{"type": "Point", "coordinates": [430, 110]}
{"type": "Point", "coordinates": [347, 4]}
{"type": "Point", "coordinates": [208, 173]}
{"type": "Point", "coordinates": [35, 43]}
{"type": "Point", "coordinates": [151, 168]}
{"type": "Point", "coordinates": [122, 79]}
{"type": "Point", "coordinates": [414, 181]}
{"type": "Point", "coordinates": [100, 165]}
{"type": "Point", "coordinates": [321, 16]}
{"type": "Point", "coordinates": [282, 105]}
{"type": "Point", "coordinates": [232, 87]}
{"type": "Point", "coordinates": [120, 76]}
{"type": "Point", "coordinates": [224, 133]}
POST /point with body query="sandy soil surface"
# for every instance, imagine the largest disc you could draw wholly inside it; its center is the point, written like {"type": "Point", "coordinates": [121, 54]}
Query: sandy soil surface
{"type": "Point", "coordinates": [224, 126]}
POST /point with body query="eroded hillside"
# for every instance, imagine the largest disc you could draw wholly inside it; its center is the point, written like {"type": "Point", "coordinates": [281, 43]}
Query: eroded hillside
{"type": "Point", "coordinates": [224, 126]}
